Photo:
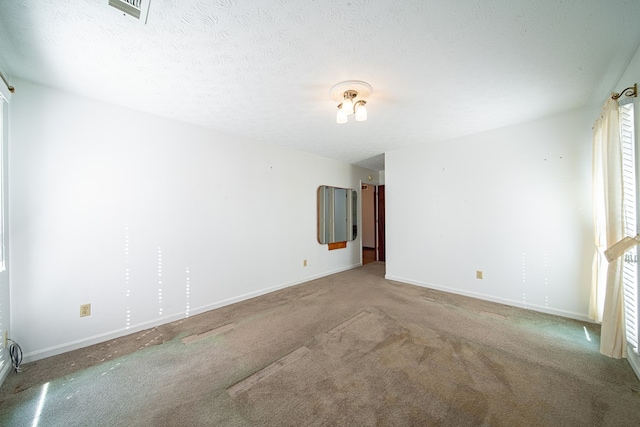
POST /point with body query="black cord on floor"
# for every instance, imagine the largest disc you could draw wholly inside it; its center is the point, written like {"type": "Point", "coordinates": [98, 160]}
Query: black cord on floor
{"type": "Point", "coordinates": [16, 355]}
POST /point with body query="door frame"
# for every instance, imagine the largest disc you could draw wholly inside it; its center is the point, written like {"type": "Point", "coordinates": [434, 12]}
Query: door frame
{"type": "Point", "coordinates": [381, 249]}
{"type": "Point", "coordinates": [379, 220]}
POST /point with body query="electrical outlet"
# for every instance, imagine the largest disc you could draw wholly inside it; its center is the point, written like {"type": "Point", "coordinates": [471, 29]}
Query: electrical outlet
{"type": "Point", "coordinates": [85, 310]}
{"type": "Point", "coordinates": [479, 274]}
{"type": "Point", "coordinates": [304, 263]}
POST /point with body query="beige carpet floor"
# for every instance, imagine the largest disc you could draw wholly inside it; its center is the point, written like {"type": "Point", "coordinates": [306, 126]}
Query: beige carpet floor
{"type": "Point", "coordinates": [348, 349]}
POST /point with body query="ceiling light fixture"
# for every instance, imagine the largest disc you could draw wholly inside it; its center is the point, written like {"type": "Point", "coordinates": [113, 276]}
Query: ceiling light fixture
{"type": "Point", "coordinates": [351, 94]}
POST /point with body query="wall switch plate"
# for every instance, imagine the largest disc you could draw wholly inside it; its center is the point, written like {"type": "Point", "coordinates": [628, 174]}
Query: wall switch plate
{"type": "Point", "coordinates": [479, 274]}
{"type": "Point", "coordinates": [304, 263]}
{"type": "Point", "coordinates": [85, 310]}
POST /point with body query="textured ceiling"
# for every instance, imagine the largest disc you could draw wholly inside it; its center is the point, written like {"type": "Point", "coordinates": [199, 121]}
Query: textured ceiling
{"type": "Point", "coordinates": [262, 70]}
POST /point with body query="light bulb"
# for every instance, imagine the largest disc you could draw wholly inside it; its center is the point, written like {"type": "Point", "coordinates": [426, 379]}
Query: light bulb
{"type": "Point", "coordinates": [341, 117]}
{"type": "Point", "coordinates": [347, 107]}
{"type": "Point", "coordinates": [361, 111]}
{"type": "Point", "coordinates": [347, 104]}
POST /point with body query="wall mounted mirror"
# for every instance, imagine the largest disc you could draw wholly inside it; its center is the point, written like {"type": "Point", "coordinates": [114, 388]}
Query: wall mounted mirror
{"type": "Point", "coordinates": [337, 214]}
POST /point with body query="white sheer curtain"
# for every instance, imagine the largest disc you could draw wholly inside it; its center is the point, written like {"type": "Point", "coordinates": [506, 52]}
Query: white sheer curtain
{"type": "Point", "coordinates": [607, 305]}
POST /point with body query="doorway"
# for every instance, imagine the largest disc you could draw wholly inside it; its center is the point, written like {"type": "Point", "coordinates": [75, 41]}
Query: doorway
{"type": "Point", "coordinates": [373, 223]}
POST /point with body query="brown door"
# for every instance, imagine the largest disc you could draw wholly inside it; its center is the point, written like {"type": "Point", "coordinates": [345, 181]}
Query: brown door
{"type": "Point", "coordinates": [381, 223]}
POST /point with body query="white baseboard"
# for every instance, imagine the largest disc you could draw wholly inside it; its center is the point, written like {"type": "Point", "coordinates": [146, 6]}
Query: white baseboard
{"type": "Point", "coordinates": [492, 298]}
{"type": "Point", "coordinates": [95, 339]}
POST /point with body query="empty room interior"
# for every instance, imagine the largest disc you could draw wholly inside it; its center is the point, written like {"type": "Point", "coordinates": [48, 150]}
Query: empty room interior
{"type": "Point", "coordinates": [363, 212]}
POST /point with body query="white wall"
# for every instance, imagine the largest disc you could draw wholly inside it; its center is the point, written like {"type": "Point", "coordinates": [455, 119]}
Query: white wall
{"type": "Point", "coordinates": [630, 76]}
{"type": "Point", "coordinates": [122, 210]}
{"type": "Point", "coordinates": [514, 203]}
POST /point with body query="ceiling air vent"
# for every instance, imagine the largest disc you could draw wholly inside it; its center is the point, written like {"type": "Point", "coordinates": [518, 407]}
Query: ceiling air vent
{"type": "Point", "coordinates": [139, 9]}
